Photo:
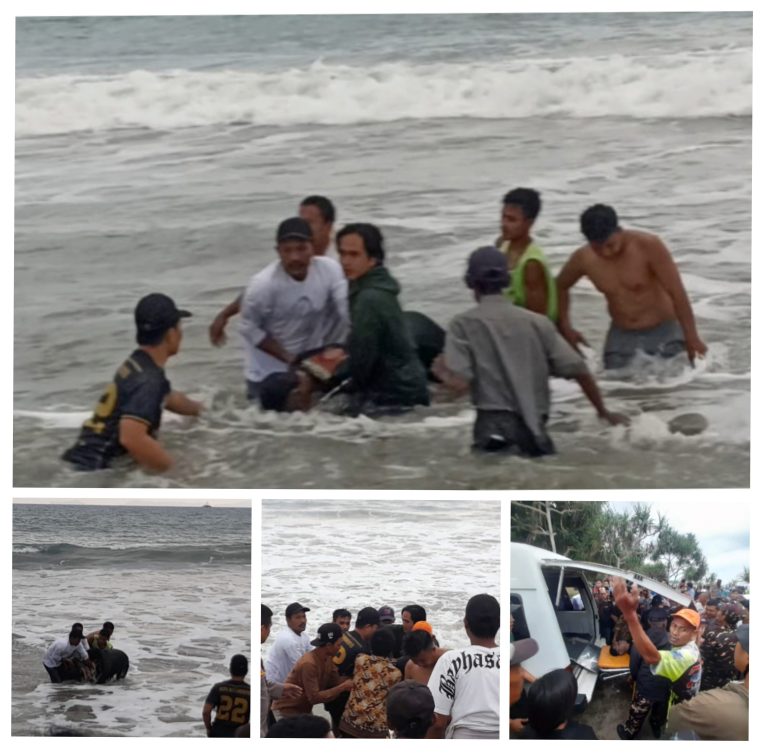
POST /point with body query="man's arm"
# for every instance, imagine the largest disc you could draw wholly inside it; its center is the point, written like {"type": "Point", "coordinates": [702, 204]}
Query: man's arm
{"type": "Point", "coordinates": [207, 709]}
{"type": "Point", "coordinates": [311, 685]}
{"type": "Point", "coordinates": [455, 366]}
{"type": "Point", "coordinates": [665, 270]}
{"type": "Point", "coordinates": [447, 377]}
{"type": "Point", "coordinates": [216, 330]}
{"type": "Point", "coordinates": [364, 341]}
{"type": "Point", "coordinates": [136, 440]}
{"type": "Point", "coordinates": [536, 291]}
{"type": "Point", "coordinates": [272, 346]}
{"type": "Point", "coordinates": [571, 272]}
{"type": "Point", "coordinates": [181, 404]}
{"type": "Point", "coordinates": [592, 392]}
{"type": "Point", "coordinates": [440, 725]}
{"type": "Point", "coordinates": [628, 603]}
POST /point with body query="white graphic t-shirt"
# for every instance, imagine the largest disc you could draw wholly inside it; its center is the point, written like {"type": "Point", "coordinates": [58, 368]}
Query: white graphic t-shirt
{"type": "Point", "coordinates": [465, 686]}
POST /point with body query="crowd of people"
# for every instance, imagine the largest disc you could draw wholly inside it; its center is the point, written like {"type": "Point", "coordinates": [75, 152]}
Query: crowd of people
{"type": "Point", "coordinates": [380, 678]}
{"type": "Point", "coordinates": [316, 329]}
{"type": "Point", "coordinates": [688, 666]}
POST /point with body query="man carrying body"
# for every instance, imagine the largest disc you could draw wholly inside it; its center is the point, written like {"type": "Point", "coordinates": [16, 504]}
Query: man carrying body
{"type": "Point", "coordinates": [532, 284]}
{"type": "Point", "coordinates": [320, 214]}
{"type": "Point", "coordinates": [647, 302]}
{"type": "Point", "coordinates": [297, 303]}
{"type": "Point", "coordinates": [385, 372]}
{"type": "Point", "coordinates": [680, 665]}
{"type": "Point", "coordinates": [101, 638]}
{"type": "Point", "coordinates": [66, 658]}
{"type": "Point", "coordinates": [505, 354]}
{"type": "Point", "coordinates": [271, 691]}
{"type": "Point", "coordinates": [316, 674]}
{"type": "Point", "coordinates": [419, 647]}
{"type": "Point", "coordinates": [353, 642]}
{"type": "Point", "coordinates": [465, 682]}
{"type": "Point", "coordinates": [232, 701]}
{"type": "Point", "coordinates": [127, 417]}
{"type": "Point", "coordinates": [290, 644]}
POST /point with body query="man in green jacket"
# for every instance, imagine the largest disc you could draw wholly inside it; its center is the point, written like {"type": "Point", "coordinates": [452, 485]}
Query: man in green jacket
{"type": "Point", "coordinates": [385, 373]}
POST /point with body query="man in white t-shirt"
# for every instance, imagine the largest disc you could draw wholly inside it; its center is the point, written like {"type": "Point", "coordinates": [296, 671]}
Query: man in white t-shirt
{"type": "Point", "coordinates": [291, 643]}
{"type": "Point", "coordinates": [465, 682]}
{"type": "Point", "coordinates": [297, 303]}
{"type": "Point", "coordinates": [60, 660]}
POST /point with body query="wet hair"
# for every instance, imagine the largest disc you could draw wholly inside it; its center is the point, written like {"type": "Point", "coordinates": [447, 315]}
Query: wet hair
{"type": "Point", "coordinates": [341, 613]}
{"type": "Point", "coordinates": [266, 615]}
{"type": "Point", "coordinates": [76, 626]}
{"type": "Point", "coordinates": [416, 642]}
{"type": "Point", "coordinates": [483, 616]}
{"type": "Point", "coordinates": [302, 726]}
{"type": "Point", "coordinates": [418, 613]}
{"type": "Point", "coordinates": [238, 666]}
{"type": "Point", "coordinates": [713, 602]}
{"type": "Point", "coordinates": [107, 629]}
{"type": "Point", "coordinates": [276, 388]}
{"type": "Point", "coordinates": [528, 200]}
{"type": "Point", "coordinates": [599, 222]}
{"type": "Point", "coordinates": [367, 616]}
{"type": "Point", "coordinates": [551, 699]}
{"type": "Point", "coordinates": [382, 642]}
{"type": "Point", "coordinates": [410, 709]}
{"type": "Point", "coordinates": [373, 240]}
{"type": "Point", "coordinates": [323, 204]}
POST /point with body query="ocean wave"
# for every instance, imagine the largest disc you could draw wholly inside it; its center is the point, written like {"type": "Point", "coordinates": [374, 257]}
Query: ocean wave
{"type": "Point", "coordinates": [72, 556]}
{"type": "Point", "coordinates": [683, 85]}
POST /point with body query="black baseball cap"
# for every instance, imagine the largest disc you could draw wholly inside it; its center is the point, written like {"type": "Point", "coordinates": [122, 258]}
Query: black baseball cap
{"type": "Point", "coordinates": [156, 313]}
{"type": "Point", "coordinates": [487, 265]}
{"type": "Point", "coordinates": [294, 228]}
{"type": "Point", "coordinates": [409, 701]}
{"type": "Point", "coordinates": [295, 608]}
{"type": "Point", "coordinates": [328, 633]}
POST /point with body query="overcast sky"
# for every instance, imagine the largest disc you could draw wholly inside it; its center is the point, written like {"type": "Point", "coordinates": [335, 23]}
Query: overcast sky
{"type": "Point", "coordinates": [143, 502]}
{"type": "Point", "coordinates": [722, 529]}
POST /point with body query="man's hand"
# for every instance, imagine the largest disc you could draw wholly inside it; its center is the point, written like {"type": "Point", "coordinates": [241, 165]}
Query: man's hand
{"type": "Point", "coordinates": [346, 685]}
{"type": "Point", "coordinates": [516, 725]}
{"type": "Point", "coordinates": [292, 691]}
{"type": "Point", "coordinates": [625, 600]}
{"type": "Point", "coordinates": [574, 338]}
{"type": "Point", "coordinates": [695, 348]}
{"type": "Point", "coordinates": [614, 418]}
{"type": "Point", "coordinates": [216, 331]}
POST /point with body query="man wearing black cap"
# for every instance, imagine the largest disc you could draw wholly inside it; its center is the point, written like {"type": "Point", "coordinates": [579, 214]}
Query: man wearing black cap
{"type": "Point", "coordinates": [465, 682]}
{"type": "Point", "coordinates": [316, 674]}
{"type": "Point", "coordinates": [505, 354]}
{"type": "Point", "coordinates": [291, 643]}
{"type": "Point", "coordinates": [128, 414]}
{"type": "Point", "coordinates": [232, 701]}
{"type": "Point", "coordinates": [320, 214]}
{"type": "Point", "coordinates": [64, 658]}
{"type": "Point", "coordinates": [297, 303]}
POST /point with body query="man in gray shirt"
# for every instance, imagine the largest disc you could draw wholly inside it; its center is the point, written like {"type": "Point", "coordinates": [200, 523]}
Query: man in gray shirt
{"type": "Point", "coordinates": [504, 355]}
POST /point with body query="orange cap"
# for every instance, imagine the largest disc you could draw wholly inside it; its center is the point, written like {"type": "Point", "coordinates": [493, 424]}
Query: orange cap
{"type": "Point", "coordinates": [422, 625]}
{"type": "Point", "coordinates": [691, 616]}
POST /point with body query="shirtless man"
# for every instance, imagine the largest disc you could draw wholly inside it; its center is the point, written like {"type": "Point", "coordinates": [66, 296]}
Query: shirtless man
{"type": "Point", "coordinates": [419, 647]}
{"type": "Point", "coordinates": [647, 302]}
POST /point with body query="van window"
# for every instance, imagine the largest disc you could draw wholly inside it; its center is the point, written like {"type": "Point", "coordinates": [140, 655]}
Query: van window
{"type": "Point", "coordinates": [519, 625]}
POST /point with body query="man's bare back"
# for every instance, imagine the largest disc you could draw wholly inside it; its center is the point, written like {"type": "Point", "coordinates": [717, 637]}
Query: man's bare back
{"type": "Point", "coordinates": [638, 277]}
{"type": "Point", "coordinates": [421, 674]}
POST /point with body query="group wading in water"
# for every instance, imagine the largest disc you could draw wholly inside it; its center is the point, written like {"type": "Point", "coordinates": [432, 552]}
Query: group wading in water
{"type": "Point", "coordinates": [381, 679]}
{"type": "Point", "coordinates": [317, 331]}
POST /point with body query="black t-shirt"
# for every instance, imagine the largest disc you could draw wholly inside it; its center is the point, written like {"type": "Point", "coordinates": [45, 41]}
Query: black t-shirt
{"type": "Point", "coordinates": [138, 391]}
{"type": "Point", "coordinates": [351, 645]}
{"type": "Point", "coordinates": [232, 701]}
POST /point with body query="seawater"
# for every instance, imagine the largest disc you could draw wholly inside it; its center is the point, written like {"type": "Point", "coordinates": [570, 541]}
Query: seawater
{"type": "Point", "coordinates": [175, 581]}
{"type": "Point", "coordinates": [350, 554]}
{"type": "Point", "coordinates": [160, 154]}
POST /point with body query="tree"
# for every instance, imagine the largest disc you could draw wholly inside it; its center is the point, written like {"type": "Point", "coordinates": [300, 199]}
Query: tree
{"type": "Point", "coordinates": [680, 554]}
{"type": "Point", "coordinates": [744, 577]}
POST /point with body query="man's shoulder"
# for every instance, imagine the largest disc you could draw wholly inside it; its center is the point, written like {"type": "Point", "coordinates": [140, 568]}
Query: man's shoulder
{"type": "Point", "coordinates": [267, 275]}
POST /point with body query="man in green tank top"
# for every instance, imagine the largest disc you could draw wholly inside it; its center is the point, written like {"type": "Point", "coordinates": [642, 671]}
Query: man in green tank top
{"type": "Point", "coordinates": [532, 285]}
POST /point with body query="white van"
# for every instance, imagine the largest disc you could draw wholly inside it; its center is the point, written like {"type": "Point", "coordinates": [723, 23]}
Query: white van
{"type": "Point", "coordinates": [567, 630]}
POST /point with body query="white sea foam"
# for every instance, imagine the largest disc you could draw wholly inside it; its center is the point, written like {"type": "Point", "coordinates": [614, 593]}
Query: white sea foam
{"type": "Point", "coordinates": [682, 85]}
